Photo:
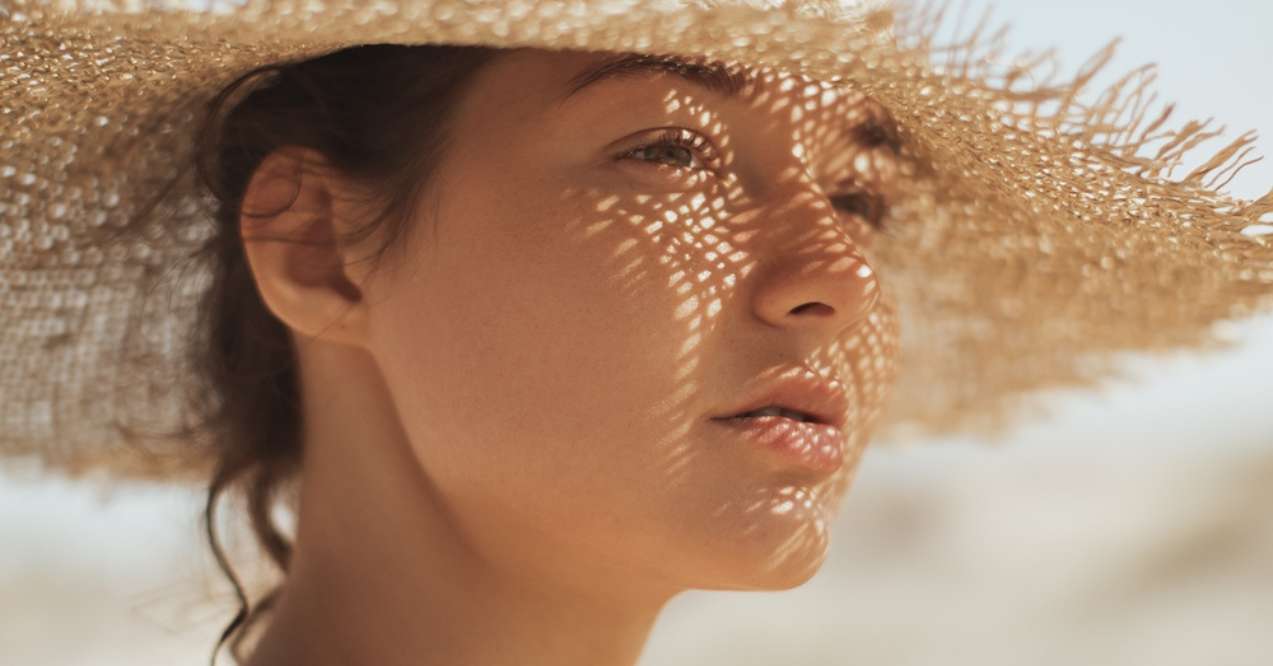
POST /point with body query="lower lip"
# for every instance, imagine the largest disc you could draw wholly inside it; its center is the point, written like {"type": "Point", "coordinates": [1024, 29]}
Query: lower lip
{"type": "Point", "coordinates": [818, 446]}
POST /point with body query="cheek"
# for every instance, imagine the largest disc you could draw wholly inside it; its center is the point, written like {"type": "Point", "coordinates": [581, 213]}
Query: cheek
{"type": "Point", "coordinates": [548, 361]}
{"type": "Point", "coordinates": [872, 359]}
{"type": "Point", "coordinates": [530, 353]}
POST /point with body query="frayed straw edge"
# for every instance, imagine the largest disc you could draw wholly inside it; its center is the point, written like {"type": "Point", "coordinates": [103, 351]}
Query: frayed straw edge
{"type": "Point", "coordinates": [1112, 129]}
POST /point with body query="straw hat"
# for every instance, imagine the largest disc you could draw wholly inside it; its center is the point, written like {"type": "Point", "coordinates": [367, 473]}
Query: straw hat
{"type": "Point", "coordinates": [1043, 232]}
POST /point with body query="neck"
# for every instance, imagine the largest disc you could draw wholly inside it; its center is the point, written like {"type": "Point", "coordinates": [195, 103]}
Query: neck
{"type": "Point", "coordinates": [383, 573]}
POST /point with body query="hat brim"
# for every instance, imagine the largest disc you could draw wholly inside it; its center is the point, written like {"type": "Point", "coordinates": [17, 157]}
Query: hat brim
{"type": "Point", "coordinates": [1044, 236]}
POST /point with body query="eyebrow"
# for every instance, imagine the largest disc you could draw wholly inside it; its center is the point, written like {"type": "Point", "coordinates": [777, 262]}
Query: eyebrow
{"type": "Point", "coordinates": [712, 76]}
{"type": "Point", "coordinates": [718, 78]}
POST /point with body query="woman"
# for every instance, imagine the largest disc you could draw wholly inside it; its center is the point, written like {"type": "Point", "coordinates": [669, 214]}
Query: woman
{"type": "Point", "coordinates": [550, 394]}
{"type": "Point", "coordinates": [545, 337]}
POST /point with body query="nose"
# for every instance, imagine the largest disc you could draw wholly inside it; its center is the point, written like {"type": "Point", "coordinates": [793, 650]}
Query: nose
{"type": "Point", "coordinates": [814, 276]}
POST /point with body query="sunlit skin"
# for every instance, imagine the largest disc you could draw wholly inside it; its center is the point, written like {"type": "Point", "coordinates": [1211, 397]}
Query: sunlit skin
{"type": "Point", "coordinates": [509, 452]}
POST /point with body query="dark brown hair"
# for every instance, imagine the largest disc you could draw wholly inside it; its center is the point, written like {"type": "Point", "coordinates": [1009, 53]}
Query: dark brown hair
{"type": "Point", "coordinates": [379, 116]}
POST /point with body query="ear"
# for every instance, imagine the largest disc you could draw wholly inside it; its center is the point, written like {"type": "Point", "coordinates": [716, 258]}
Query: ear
{"type": "Point", "coordinates": [293, 208]}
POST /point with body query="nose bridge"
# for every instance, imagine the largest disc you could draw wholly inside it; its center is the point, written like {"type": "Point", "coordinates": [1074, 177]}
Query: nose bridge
{"type": "Point", "coordinates": [798, 205]}
{"type": "Point", "coordinates": [800, 219]}
{"type": "Point", "coordinates": [814, 274]}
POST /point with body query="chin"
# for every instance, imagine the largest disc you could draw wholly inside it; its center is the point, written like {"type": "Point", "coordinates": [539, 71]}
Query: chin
{"type": "Point", "coordinates": [766, 575]}
{"type": "Point", "coordinates": [779, 552]}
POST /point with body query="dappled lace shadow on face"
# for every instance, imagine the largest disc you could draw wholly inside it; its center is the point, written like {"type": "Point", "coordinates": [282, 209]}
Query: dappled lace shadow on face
{"type": "Point", "coordinates": [774, 236]}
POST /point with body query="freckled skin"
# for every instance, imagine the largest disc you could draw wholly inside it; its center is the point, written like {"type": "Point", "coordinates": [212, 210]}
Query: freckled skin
{"type": "Point", "coordinates": [510, 458]}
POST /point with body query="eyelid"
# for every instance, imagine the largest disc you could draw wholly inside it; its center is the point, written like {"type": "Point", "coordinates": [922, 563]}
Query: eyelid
{"type": "Point", "coordinates": [681, 136]}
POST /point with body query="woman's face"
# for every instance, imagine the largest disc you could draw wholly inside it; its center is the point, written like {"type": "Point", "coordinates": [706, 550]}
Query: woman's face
{"type": "Point", "coordinates": [600, 274]}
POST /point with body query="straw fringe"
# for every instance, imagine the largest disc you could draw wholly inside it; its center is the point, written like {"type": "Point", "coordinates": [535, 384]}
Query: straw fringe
{"type": "Point", "coordinates": [1053, 232]}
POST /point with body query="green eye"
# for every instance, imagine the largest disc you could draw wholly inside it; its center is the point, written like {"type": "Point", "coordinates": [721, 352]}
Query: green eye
{"type": "Point", "coordinates": [678, 148]}
{"type": "Point", "coordinates": [667, 153]}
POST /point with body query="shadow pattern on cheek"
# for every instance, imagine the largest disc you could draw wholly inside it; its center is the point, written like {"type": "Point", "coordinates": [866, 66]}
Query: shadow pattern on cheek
{"type": "Point", "coordinates": [780, 275]}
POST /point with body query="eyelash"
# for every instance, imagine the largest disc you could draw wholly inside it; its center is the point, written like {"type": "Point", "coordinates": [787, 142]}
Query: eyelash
{"type": "Point", "coordinates": [682, 138]}
{"type": "Point", "coordinates": [871, 207]}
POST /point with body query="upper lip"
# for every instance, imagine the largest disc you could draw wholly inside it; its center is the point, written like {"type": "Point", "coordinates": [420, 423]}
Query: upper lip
{"type": "Point", "coordinates": [799, 389]}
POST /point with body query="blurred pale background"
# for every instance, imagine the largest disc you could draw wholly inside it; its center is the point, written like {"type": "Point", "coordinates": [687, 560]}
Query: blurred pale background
{"type": "Point", "coordinates": [1131, 527]}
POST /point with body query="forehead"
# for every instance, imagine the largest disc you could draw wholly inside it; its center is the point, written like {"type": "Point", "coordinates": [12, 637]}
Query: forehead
{"type": "Point", "coordinates": [558, 82]}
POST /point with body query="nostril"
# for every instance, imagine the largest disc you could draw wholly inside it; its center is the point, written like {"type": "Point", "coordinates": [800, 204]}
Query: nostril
{"type": "Point", "coordinates": [817, 309]}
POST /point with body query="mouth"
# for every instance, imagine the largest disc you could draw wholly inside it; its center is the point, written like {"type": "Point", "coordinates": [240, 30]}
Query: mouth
{"type": "Point", "coordinates": [796, 438]}
{"type": "Point", "coordinates": [796, 415]}
{"type": "Point", "coordinates": [796, 395]}
{"type": "Point", "coordinates": [779, 411]}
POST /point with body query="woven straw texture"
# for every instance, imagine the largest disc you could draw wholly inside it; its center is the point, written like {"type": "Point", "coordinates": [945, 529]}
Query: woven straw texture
{"type": "Point", "coordinates": [1045, 226]}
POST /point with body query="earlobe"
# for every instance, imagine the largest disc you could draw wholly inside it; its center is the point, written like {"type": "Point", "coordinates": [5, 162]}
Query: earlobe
{"type": "Point", "coordinates": [290, 239]}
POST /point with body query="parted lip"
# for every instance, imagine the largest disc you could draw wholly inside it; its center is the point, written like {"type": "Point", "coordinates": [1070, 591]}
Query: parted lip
{"type": "Point", "coordinates": [799, 389]}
